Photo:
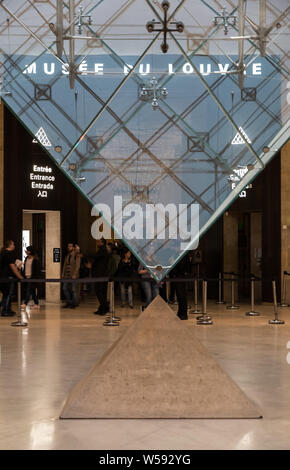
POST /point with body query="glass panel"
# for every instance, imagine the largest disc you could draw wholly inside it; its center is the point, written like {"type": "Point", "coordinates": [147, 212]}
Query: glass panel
{"type": "Point", "coordinates": [182, 134]}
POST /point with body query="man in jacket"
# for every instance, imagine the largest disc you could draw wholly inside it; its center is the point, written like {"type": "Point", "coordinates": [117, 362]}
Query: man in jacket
{"type": "Point", "coordinates": [100, 268]}
{"type": "Point", "coordinates": [181, 270]}
{"type": "Point", "coordinates": [8, 270]}
{"type": "Point", "coordinates": [71, 268]}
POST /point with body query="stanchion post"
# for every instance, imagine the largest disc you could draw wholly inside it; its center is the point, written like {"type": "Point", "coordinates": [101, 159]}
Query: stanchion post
{"type": "Point", "coordinates": [20, 312]}
{"type": "Point", "coordinates": [204, 319]}
{"type": "Point", "coordinates": [195, 310]}
{"type": "Point", "coordinates": [167, 290]}
{"type": "Point", "coordinates": [233, 306]}
{"type": "Point", "coordinates": [276, 320]}
{"type": "Point", "coordinates": [220, 300]}
{"type": "Point", "coordinates": [283, 300]}
{"type": "Point", "coordinates": [111, 320]}
{"type": "Point", "coordinates": [252, 312]}
{"type": "Point", "coordinates": [114, 317]}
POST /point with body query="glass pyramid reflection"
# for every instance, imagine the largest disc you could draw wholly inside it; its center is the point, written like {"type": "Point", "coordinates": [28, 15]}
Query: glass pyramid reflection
{"type": "Point", "coordinates": [161, 144]}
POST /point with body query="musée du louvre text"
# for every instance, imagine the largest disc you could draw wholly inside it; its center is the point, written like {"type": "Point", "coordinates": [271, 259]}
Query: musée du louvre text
{"type": "Point", "coordinates": [85, 68]}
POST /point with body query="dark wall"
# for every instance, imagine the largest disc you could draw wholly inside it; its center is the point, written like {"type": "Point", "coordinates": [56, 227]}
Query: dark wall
{"type": "Point", "coordinates": [271, 235]}
{"type": "Point", "coordinates": [264, 197]}
{"type": "Point", "coordinates": [19, 156]}
{"type": "Point", "coordinates": [211, 246]}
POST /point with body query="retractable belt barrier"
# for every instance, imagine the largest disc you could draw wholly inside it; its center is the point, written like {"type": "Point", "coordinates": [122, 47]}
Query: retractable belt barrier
{"type": "Point", "coordinates": [195, 310]}
{"type": "Point", "coordinates": [203, 319]}
{"type": "Point", "coordinates": [276, 320]}
{"type": "Point", "coordinates": [220, 281]}
{"type": "Point", "coordinates": [252, 312]}
{"type": "Point", "coordinates": [112, 320]}
{"type": "Point", "coordinates": [284, 290]}
{"type": "Point", "coordinates": [233, 284]}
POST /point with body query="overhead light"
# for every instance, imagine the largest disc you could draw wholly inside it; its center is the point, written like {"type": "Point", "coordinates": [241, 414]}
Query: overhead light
{"type": "Point", "coordinates": [82, 20]}
{"type": "Point", "coordinates": [155, 103]}
{"type": "Point", "coordinates": [58, 148]}
{"type": "Point", "coordinates": [154, 91]}
{"type": "Point", "coordinates": [72, 166]}
{"type": "Point", "coordinates": [266, 149]}
{"type": "Point", "coordinates": [250, 167]}
{"type": "Point", "coordinates": [225, 20]}
{"type": "Point", "coordinates": [165, 26]}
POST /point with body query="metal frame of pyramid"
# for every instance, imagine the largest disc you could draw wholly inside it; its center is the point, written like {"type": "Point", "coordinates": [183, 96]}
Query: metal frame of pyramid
{"type": "Point", "coordinates": [39, 41]}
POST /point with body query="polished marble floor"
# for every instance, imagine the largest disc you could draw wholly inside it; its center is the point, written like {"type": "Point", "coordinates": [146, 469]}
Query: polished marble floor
{"type": "Point", "coordinates": [40, 364]}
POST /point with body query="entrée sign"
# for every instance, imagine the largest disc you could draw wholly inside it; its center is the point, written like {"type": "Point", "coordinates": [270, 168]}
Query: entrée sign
{"type": "Point", "coordinates": [41, 178]}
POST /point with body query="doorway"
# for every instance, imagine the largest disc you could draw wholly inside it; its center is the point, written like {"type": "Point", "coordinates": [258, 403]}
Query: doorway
{"type": "Point", "coordinates": [42, 230]}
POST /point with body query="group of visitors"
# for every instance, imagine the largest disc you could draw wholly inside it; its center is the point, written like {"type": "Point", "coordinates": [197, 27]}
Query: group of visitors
{"type": "Point", "coordinates": [12, 269]}
{"type": "Point", "coordinates": [108, 261]}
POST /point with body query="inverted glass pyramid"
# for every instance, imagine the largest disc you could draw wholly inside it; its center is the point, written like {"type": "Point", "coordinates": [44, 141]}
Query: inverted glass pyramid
{"type": "Point", "coordinates": [161, 143]}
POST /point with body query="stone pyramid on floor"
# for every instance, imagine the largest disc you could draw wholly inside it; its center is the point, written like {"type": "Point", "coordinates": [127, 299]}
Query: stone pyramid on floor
{"type": "Point", "coordinates": [158, 369]}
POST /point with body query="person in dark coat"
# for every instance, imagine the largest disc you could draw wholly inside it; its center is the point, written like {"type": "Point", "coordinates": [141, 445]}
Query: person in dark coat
{"type": "Point", "coordinates": [31, 270]}
{"type": "Point", "coordinates": [100, 268]}
{"type": "Point", "coordinates": [8, 271]}
{"type": "Point", "coordinates": [126, 269]}
{"type": "Point", "coordinates": [179, 271]}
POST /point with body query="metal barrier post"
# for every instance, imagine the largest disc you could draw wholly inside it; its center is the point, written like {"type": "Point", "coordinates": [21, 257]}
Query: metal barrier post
{"type": "Point", "coordinates": [220, 300]}
{"type": "Point", "coordinates": [233, 306]}
{"type": "Point", "coordinates": [111, 320]}
{"type": "Point", "coordinates": [167, 291]}
{"type": "Point", "coordinates": [283, 300]}
{"type": "Point", "coordinates": [204, 319]}
{"type": "Point", "coordinates": [276, 320]}
{"type": "Point", "coordinates": [195, 310]}
{"type": "Point", "coordinates": [252, 312]}
{"type": "Point", "coordinates": [20, 311]}
{"type": "Point", "coordinates": [114, 317]}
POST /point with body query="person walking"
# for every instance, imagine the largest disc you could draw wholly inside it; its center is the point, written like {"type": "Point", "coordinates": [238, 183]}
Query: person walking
{"type": "Point", "coordinates": [126, 269]}
{"type": "Point", "coordinates": [100, 268]}
{"type": "Point", "coordinates": [8, 271]}
{"type": "Point", "coordinates": [31, 270]}
{"type": "Point", "coordinates": [70, 272]}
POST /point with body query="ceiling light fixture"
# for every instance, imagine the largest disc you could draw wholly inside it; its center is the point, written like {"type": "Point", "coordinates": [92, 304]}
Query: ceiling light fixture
{"type": "Point", "coordinates": [179, 26]}
{"type": "Point", "coordinates": [225, 20]}
{"type": "Point", "coordinates": [153, 92]}
{"type": "Point", "coordinates": [80, 20]}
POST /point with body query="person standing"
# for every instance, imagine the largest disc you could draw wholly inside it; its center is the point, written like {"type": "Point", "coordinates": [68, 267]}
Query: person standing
{"type": "Point", "coordinates": [8, 270]}
{"type": "Point", "coordinates": [70, 271]}
{"type": "Point", "coordinates": [31, 270]}
{"type": "Point", "coordinates": [181, 270]}
{"type": "Point", "coordinates": [112, 262]}
{"type": "Point", "coordinates": [100, 268]}
{"type": "Point", "coordinates": [126, 268]}
{"type": "Point", "coordinates": [150, 286]}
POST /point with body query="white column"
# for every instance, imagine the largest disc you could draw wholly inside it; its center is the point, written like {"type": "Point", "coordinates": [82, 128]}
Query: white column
{"type": "Point", "coordinates": [53, 240]}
